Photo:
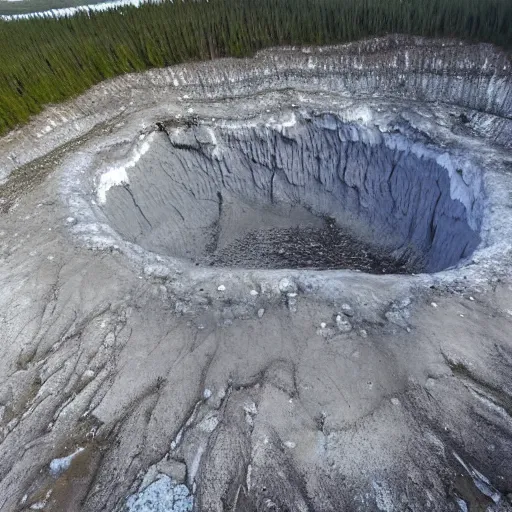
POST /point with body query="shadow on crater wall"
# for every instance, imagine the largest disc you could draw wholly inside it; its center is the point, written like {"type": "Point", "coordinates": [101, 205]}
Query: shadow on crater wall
{"type": "Point", "coordinates": [304, 192]}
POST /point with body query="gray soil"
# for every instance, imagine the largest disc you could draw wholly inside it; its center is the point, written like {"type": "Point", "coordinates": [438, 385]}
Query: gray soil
{"type": "Point", "coordinates": [271, 284]}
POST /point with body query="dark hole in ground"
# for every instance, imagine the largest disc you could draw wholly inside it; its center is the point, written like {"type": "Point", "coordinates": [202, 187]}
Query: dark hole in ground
{"type": "Point", "coordinates": [324, 248]}
{"type": "Point", "coordinates": [264, 196]}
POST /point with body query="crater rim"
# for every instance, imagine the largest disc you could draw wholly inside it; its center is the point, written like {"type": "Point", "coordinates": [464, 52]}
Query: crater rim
{"type": "Point", "coordinates": [224, 144]}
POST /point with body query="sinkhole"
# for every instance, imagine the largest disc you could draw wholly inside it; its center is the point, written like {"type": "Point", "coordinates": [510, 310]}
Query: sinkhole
{"type": "Point", "coordinates": [294, 191]}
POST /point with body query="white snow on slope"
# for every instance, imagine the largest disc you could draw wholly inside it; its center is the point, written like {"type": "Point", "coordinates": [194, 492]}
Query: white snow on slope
{"type": "Point", "coordinates": [115, 176]}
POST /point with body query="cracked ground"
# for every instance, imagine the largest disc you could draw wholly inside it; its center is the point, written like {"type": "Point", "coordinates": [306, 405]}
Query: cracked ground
{"type": "Point", "coordinates": [227, 391]}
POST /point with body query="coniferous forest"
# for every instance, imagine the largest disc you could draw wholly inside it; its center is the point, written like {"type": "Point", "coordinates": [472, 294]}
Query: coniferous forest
{"type": "Point", "coordinates": [47, 60]}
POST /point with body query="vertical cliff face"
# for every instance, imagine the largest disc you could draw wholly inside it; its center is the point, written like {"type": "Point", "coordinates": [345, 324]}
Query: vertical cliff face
{"type": "Point", "coordinates": [203, 189]}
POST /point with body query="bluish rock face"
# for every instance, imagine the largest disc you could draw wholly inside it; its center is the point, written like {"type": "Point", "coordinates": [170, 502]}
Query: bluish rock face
{"type": "Point", "coordinates": [390, 189]}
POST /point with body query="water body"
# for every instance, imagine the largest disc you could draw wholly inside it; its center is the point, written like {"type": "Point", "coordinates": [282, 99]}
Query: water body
{"type": "Point", "coordinates": [60, 12]}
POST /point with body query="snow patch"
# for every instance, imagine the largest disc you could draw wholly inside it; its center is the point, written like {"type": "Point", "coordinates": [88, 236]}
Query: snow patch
{"type": "Point", "coordinates": [117, 175]}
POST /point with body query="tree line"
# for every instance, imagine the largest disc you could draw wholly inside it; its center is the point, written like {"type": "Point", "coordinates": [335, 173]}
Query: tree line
{"type": "Point", "coordinates": [47, 60]}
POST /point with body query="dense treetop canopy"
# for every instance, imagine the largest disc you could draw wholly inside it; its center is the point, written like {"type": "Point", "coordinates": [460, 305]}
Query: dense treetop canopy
{"type": "Point", "coordinates": [47, 60]}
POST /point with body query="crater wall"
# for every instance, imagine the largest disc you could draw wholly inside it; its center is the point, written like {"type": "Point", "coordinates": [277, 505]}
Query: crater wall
{"type": "Point", "coordinates": [211, 184]}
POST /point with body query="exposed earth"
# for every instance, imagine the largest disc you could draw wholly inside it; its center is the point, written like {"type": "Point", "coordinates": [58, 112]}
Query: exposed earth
{"type": "Point", "coordinates": [272, 284]}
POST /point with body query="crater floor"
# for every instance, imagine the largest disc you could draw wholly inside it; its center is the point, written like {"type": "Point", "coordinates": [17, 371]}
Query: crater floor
{"type": "Point", "coordinates": [279, 283]}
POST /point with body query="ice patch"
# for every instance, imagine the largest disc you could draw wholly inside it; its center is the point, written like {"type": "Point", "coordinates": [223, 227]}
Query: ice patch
{"type": "Point", "coordinates": [58, 466]}
{"type": "Point", "coordinates": [383, 497]}
{"type": "Point", "coordinates": [214, 142]}
{"type": "Point", "coordinates": [361, 114]}
{"type": "Point", "coordinates": [163, 495]}
{"type": "Point", "coordinates": [462, 504]}
{"type": "Point", "coordinates": [40, 505]}
{"type": "Point", "coordinates": [481, 481]}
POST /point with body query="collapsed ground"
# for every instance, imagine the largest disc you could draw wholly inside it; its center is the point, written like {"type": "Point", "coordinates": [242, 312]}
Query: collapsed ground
{"type": "Point", "coordinates": [128, 374]}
